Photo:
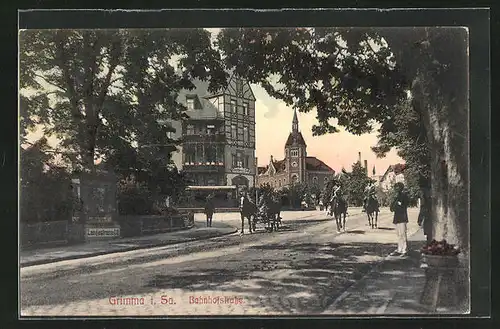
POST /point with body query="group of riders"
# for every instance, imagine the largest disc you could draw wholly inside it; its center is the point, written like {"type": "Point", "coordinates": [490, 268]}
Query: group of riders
{"type": "Point", "coordinates": [335, 193]}
{"type": "Point", "coordinates": [268, 206]}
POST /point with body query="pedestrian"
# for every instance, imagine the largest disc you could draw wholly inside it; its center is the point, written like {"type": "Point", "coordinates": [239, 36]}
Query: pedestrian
{"type": "Point", "coordinates": [424, 219]}
{"type": "Point", "coordinates": [209, 210]}
{"type": "Point", "coordinates": [399, 206]}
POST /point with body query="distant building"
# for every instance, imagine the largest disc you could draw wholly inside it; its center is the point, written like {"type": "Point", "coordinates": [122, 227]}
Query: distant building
{"type": "Point", "coordinates": [296, 167]}
{"type": "Point", "coordinates": [218, 139]}
{"type": "Point", "coordinates": [392, 175]}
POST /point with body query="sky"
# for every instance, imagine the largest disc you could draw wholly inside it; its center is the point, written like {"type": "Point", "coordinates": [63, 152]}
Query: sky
{"type": "Point", "coordinates": [274, 123]}
{"type": "Point", "coordinates": [340, 150]}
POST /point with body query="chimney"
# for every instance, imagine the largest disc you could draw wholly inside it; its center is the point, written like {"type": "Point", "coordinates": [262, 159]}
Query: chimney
{"type": "Point", "coordinates": [366, 166]}
{"type": "Point", "coordinates": [359, 157]}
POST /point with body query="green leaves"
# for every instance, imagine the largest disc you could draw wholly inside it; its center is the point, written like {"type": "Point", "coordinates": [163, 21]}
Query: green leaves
{"type": "Point", "coordinates": [103, 91]}
{"type": "Point", "coordinates": [332, 70]}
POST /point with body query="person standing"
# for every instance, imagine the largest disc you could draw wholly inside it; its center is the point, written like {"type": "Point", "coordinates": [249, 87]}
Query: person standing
{"type": "Point", "coordinates": [209, 210]}
{"type": "Point", "coordinates": [399, 206]}
{"type": "Point", "coordinates": [424, 219]}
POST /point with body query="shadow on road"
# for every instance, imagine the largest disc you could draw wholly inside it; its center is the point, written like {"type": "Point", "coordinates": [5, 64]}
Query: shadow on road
{"type": "Point", "coordinates": [292, 278]}
{"type": "Point", "coordinates": [386, 228]}
{"type": "Point", "coordinates": [355, 231]}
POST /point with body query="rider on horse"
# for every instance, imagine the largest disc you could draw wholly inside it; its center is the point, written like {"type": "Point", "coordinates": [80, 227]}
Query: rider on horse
{"type": "Point", "coordinates": [370, 193]}
{"type": "Point", "coordinates": [336, 191]}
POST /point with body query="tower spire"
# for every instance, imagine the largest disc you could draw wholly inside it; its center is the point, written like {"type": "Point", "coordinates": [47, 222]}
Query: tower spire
{"type": "Point", "coordinates": [295, 122]}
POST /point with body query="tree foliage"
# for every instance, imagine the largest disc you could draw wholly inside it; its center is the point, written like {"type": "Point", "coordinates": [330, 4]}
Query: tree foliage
{"type": "Point", "coordinates": [361, 76]}
{"type": "Point", "coordinates": [111, 94]}
{"type": "Point", "coordinates": [45, 189]}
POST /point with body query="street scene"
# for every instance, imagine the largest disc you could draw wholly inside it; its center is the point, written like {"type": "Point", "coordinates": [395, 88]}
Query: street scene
{"type": "Point", "coordinates": [302, 269]}
{"type": "Point", "coordinates": [243, 171]}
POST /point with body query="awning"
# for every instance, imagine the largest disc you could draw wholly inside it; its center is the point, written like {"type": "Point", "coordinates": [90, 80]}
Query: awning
{"type": "Point", "coordinates": [211, 188]}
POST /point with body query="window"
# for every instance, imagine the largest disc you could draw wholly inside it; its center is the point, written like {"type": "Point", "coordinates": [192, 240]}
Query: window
{"type": "Point", "coordinates": [239, 87]}
{"type": "Point", "coordinates": [239, 160]}
{"type": "Point", "coordinates": [189, 130]}
{"type": "Point", "coordinates": [220, 153]}
{"type": "Point", "coordinates": [295, 178]}
{"type": "Point", "coordinates": [234, 132]}
{"type": "Point", "coordinates": [210, 153]}
{"type": "Point", "coordinates": [315, 180]}
{"type": "Point", "coordinates": [210, 129]}
{"type": "Point", "coordinates": [233, 106]}
{"type": "Point", "coordinates": [247, 161]}
{"type": "Point", "coordinates": [245, 108]}
{"type": "Point", "coordinates": [189, 154]}
{"type": "Point", "coordinates": [233, 160]}
{"type": "Point", "coordinates": [246, 135]}
{"type": "Point", "coordinates": [326, 180]}
{"type": "Point", "coordinates": [295, 153]}
{"type": "Point", "coordinates": [221, 106]}
{"type": "Point", "coordinates": [199, 153]}
{"type": "Point", "coordinates": [190, 103]}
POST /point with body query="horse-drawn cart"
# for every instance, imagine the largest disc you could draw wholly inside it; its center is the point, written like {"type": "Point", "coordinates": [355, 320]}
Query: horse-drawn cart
{"type": "Point", "coordinates": [270, 219]}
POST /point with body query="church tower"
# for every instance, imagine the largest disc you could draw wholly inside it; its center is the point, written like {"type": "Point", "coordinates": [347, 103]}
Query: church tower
{"type": "Point", "coordinates": [295, 153]}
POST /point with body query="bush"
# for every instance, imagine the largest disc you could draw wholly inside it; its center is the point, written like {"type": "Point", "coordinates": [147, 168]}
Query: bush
{"type": "Point", "coordinates": [136, 199]}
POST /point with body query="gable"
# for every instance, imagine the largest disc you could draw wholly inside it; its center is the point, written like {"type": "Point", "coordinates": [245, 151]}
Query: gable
{"type": "Point", "coordinates": [239, 88]}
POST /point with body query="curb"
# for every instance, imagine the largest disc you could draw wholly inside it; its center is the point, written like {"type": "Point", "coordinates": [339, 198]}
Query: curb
{"type": "Point", "coordinates": [350, 289]}
{"type": "Point", "coordinates": [108, 252]}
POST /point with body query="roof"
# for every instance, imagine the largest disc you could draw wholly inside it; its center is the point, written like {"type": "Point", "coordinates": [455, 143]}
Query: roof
{"type": "Point", "coordinates": [261, 170]}
{"type": "Point", "coordinates": [315, 164]}
{"type": "Point", "coordinates": [295, 138]}
{"type": "Point", "coordinates": [278, 165]}
{"type": "Point", "coordinates": [205, 109]}
{"type": "Point", "coordinates": [397, 169]}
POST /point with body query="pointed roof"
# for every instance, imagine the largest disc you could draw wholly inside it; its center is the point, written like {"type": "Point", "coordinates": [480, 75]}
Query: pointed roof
{"type": "Point", "coordinates": [274, 166]}
{"type": "Point", "coordinates": [295, 120]}
{"type": "Point", "coordinates": [315, 164]}
{"type": "Point", "coordinates": [295, 139]}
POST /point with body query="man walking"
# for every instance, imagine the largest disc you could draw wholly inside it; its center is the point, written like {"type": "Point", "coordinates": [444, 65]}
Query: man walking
{"type": "Point", "coordinates": [400, 208]}
{"type": "Point", "coordinates": [209, 210]}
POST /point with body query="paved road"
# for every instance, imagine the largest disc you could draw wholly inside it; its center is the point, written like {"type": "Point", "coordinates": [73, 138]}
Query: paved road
{"type": "Point", "coordinates": [299, 270]}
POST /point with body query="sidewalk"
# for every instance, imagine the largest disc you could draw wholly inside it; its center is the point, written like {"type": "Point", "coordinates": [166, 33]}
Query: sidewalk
{"type": "Point", "coordinates": [393, 287]}
{"type": "Point", "coordinates": [97, 248]}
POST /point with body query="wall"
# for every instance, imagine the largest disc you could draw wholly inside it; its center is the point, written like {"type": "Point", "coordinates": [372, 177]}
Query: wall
{"type": "Point", "coordinates": [321, 177]}
{"type": "Point", "coordinates": [274, 180]}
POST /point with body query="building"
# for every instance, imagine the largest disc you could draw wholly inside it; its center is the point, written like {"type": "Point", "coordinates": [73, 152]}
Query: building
{"type": "Point", "coordinates": [296, 167]}
{"type": "Point", "coordinates": [393, 175]}
{"type": "Point", "coordinates": [218, 138]}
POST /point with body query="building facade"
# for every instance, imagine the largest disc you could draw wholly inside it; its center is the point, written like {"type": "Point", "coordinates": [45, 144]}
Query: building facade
{"type": "Point", "coordinates": [393, 175]}
{"type": "Point", "coordinates": [297, 166]}
{"type": "Point", "coordinates": [218, 138]}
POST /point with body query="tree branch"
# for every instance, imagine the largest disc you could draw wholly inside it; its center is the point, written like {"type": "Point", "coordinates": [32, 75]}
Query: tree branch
{"type": "Point", "coordinates": [48, 82]}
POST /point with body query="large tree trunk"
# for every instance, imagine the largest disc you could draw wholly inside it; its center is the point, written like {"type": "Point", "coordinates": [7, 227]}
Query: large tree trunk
{"type": "Point", "coordinates": [446, 123]}
{"type": "Point", "coordinates": [447, 133]}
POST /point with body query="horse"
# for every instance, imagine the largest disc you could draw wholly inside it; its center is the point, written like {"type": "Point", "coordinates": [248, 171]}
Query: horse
{"type": "Point", "coordinates": [339, 210]}
{"type": "Point", "coordinates": [272, 215]}
{"type": "Point", "coordinates": [372, 209]}
{"type": "Point", "coordinates": [249, 210]}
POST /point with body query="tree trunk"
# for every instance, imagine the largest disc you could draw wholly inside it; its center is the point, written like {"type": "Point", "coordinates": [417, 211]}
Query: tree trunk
{"type": "Point", "coordinates": [447, 131]}
{"type": "Point", "coordinates": [446, 123]}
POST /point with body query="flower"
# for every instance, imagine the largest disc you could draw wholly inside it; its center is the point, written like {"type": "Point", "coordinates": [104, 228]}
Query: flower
{"type": "Point", "coordinates": [440, 248]}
